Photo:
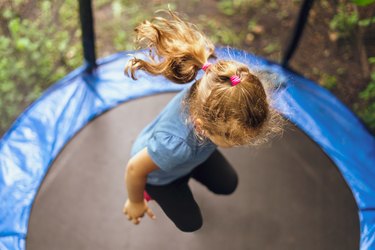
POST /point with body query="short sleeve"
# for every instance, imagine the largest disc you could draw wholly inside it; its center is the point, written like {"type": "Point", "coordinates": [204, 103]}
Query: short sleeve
{"type": "Point", "coordinates": [168, 151]}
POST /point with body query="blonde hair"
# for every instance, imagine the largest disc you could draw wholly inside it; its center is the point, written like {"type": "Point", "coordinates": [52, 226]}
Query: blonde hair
{"type": "Point", "coordinates": [182, 48]}
{"type": "Point", "coordinates": [241, 114]}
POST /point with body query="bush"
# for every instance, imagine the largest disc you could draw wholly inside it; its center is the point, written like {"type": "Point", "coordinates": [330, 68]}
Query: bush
{"type": "Point", "coordinates": [368, 97]}
{"type": "Point", "coordinates": [37, 47]}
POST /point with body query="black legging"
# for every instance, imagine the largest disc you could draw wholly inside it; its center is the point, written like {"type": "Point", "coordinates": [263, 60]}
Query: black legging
{"type": "Point", "coordinates": [176, 198]}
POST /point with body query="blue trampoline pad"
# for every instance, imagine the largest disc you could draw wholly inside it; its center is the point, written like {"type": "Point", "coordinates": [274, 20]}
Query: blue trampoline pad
{"type": "Point", "coordinates": [37, 137]}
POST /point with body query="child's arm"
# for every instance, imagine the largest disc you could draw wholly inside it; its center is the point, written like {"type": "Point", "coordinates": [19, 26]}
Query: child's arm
{"type": "Point", "coordinates": [135, 179]}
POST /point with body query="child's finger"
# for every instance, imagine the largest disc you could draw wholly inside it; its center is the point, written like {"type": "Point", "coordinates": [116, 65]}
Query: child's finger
{"type": "Point", "coordinates": [136, 221]}
{"type": "Point", "coordinates": [150, 214]}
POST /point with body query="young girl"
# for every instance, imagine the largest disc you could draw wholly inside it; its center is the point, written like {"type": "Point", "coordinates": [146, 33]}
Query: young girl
{"type": "Point", "coordinates": [227, 107]}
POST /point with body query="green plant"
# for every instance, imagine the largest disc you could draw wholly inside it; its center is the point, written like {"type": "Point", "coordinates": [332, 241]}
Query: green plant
{"type": "Point", "coordinates": [34, 52]}
{"type": "Point", "coordinates": [272, 47]}
{"type": "Point", "coordinates": [347, 18]}
{"type": "Point", "coordinates": [345, 21]}
{"type": "Point", "coordinates": [366, 22]}
{"type": "Point", "coordinates": [363, 2]}
{"type": "Point", "coordinates": [229, 7]}
{"type": "Point", "coordinates": [367, 111]}
{"type": "Point", "coordinates": [328, 81]}
{"type": "Point", "coordinates": [368, 93]}
{"type": "Point", "coordinates": [219, 33]}
{"type": "Point", "coordinates": [126, 14]}
{"type": "Point", "coordinates": [367, 114]}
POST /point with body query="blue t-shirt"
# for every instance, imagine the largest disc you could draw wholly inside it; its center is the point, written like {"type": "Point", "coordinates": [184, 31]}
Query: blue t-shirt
{"type": "Point", "coordinates": [171, 143]}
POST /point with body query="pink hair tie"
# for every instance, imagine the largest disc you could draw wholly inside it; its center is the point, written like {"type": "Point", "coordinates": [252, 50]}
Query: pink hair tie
{"type": "Point", "coordinates": [206, 65]}
{"type": "Point", "coordinates": [235, 80]}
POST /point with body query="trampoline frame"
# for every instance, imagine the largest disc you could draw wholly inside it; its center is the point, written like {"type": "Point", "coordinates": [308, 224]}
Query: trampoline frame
{"type": "Point", "coordinates": [37, 136]}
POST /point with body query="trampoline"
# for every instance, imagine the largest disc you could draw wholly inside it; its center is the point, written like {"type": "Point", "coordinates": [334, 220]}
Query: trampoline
{"type": "Point", "coordinates": [62, 165]}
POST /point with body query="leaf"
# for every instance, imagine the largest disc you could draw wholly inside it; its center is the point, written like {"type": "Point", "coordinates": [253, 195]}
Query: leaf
{"type": "Point", "coordinates": [363, 2]}
{"type": "Point", "coordinates": [227, 7]}
{"type": "Point", "coordinates": [366, 22]}
{"type": "Point", "coordinates": [22, 43]}
{"type": "Point", "coordinates": [369, 92]}
{"type": "Point", "coordinates": [14, 26]}
{"type": "Point", "coordinates": [116, 9]}
{"type": "Point", "coordinates": [8, 14]}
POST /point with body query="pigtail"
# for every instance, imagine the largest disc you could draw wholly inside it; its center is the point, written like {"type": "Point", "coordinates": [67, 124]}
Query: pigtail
{"type": "Point", "coordinates": [177, 50]}
{"type": "Point", "coordinates": [241, 114]}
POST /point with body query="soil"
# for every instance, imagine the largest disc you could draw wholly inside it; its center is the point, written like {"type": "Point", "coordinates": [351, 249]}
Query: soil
{"type": "Point", "coordinates": [339, 58]}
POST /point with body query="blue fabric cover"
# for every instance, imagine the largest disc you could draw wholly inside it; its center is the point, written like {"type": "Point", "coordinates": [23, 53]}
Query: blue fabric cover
{"type": "Point", "coordinates": [40, 132]}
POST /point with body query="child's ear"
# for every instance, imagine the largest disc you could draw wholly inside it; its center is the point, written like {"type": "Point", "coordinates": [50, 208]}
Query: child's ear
{"type": "Point", "coordinates": [198, 125]}
{"type": "Point", "coordinates": [199, 121]}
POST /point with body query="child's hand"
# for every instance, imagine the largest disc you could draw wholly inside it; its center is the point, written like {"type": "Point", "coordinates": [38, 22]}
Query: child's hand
{"type": "Point", "coordinates": [135, 211]}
